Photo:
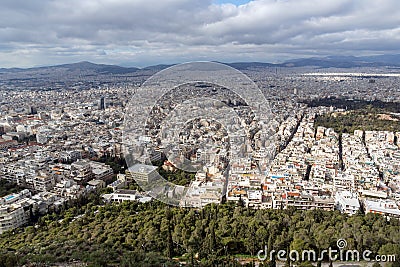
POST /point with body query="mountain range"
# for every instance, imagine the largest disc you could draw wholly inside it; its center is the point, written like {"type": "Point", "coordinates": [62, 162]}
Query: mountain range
{"type": "Point", "coordinates": [318, 62]}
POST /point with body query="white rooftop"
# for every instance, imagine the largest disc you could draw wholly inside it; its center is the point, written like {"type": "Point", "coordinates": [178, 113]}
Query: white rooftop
{"type": "Point", "coordinates": [142, 168]}
{"type": "Point", "coordinates": [384, 206]}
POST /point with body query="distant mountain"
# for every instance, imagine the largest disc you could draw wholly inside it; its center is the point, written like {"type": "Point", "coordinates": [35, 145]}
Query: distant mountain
{"type": "Point", "coordinates": [99, 68]}
{"type": "Point", "coordinates": [79, 66]}
{"type": "Point", "coordinates": [248, 65]}
{"type": "Point", "coordinates": [327, 62]}
{"type": "Point", "coordinates": [10, 69]}
{"type": "Point", "coordinates": [346, 61]}
{"type": "Point", "coordinates": [321, 62]}
{"type": "Point", "coordinates": [388, 59]}
{"type": "Point", "coordinates": [158, 67]}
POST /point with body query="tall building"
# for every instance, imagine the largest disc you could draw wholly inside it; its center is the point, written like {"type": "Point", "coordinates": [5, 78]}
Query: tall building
{"type": "Point", "coordinates": [102, 104]}
{"type": "Point", "coordinates": [31, 110]}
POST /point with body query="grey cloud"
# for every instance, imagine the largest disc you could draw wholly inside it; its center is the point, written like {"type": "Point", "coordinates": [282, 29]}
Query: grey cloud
{"type": "Point", "coordinates": [177, 30]}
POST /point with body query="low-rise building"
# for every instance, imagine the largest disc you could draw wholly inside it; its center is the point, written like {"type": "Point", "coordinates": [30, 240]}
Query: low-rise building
{"type": "Point", "coordinates": [382, 206]}
{"type": "Point", "coordinates": [324, 203]}
{"type": "Point", "coordinates": [97, 184]}
{"type": "Point", "coordinates": [126, 195]}
{"type": "Point", "coordinates": [119, 183]}
{"type": "Point", "coordinates": [142, 173]}
{"type": "Point", "coordinates": [101, 171]}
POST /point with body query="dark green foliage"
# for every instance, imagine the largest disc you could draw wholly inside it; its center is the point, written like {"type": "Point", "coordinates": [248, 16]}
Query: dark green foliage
{"type": "Point", "coordinates": [117, 164]}
{"type": "Point", "coordinates": [8, 259]}
{"type": "Point", "coordinates": [154, 234]}
{"type": "Point", "coordinates": [368, 119]}
{"type": "Point", "coordinates": [351, 104]}
{"type": "Point", "coordinates": [178, 177]}
{"type": "Point", "coordinates": [7, 187]}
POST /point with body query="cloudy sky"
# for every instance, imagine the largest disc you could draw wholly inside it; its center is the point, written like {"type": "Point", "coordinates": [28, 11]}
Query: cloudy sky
{"type": "Point", "coordinates": [146, 32]}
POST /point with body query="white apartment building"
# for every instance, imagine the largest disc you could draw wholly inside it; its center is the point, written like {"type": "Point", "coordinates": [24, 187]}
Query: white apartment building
{"type": "Point", "coordinates": [347, 202]}
{"type": "Point", "coordinates": [385, 207]}
{"type": "Point", "coordinates": [125, 195]}
{"type": "Point", "coordinates": [15, 210]}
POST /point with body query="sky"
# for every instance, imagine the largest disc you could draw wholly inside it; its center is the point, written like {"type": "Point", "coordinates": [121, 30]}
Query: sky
{"type": "Point", "coordinates": [147, 32]}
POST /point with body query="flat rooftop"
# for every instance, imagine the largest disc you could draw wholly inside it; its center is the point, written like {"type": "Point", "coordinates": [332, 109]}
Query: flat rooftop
{"type": "Point", "coordinates": [142, 168]}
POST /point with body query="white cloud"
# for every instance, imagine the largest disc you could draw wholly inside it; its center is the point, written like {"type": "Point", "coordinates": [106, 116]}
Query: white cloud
{"type": "Point", "coordinates": [151, 31]}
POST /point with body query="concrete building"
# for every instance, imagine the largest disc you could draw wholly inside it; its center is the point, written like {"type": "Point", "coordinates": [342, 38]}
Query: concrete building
{"type": "Point", "coordinates": [126, 195]}
{"type": "Point", "coordinates": [102, 171]}
{"type": "Point", "coordinates": [97, 184]}
{"type": "Point", "coordinates": [324, 203]}
{"type": "Point", "coordinates": [43, 182]}
{"type": "Point", "coordinates": [15, 210]}
{"type": "Point", "coordinates": [382, 206]}
{"type": "Point", "coordinates": [81, 171]}
{"type": "Point", "coordinates": [142, 173]}
{"type": "Point", "coordinates": [119, 183]}
{"type": "Point", "coordinates": [347, 202]}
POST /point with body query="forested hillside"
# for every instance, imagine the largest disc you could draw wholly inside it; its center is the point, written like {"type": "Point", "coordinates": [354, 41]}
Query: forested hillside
{"type": "Point", "coordinates": [152, 234]}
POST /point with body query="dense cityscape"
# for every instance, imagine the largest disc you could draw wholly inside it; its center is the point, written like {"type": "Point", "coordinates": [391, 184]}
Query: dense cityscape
{"type": "Point", "coordinates": [61, 141]}
{"type": "Point", "coordinates": [199, 133]}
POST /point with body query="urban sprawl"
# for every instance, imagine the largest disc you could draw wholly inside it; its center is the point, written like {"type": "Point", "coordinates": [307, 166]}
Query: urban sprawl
{"type": "Point", "coordinates": [55, 129]}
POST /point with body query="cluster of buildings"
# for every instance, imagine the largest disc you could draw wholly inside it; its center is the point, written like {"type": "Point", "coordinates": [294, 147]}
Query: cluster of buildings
{"type": "Point", "coordinates": [309, 83]}
{"type": "Point", "coordinates": [386, 155]}
{"type": "Point", "coordinates": [317, 170]}
{"type": "Point", "coordinates": [56, 151]}
{"type": "Point", "coordinates": [48, 187]}
{"type": "Point", "coordinates": [359, 168]}
{"type": "Point", "coordinates": [53, 139]}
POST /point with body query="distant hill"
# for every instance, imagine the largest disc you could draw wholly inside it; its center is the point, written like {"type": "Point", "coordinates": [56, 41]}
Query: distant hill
{"type": "Point", "coordinates": [248, 65]}
{"type": "Point", "coordinates": [388, 59]}
{"type": "Point", "coordinates": [158, 67]}
{"type": "Point", "coordinates": [10, 69]}
{"type": "Point", "coordinates": [321, 62]}
{"type": "Point", "coordinates": [327, 62]}
{"type": "Point", "coordinates": [346, 61]}
{"type": "Point", "coordinates": [99, 68]}
{"type": "Point", "coordinates": [79, 66]}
